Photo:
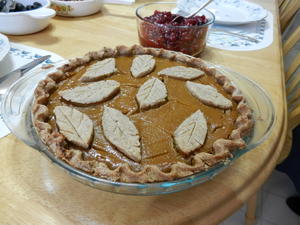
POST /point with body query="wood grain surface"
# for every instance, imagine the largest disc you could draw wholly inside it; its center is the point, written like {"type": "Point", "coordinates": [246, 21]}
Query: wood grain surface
{"type": "Point", "coordinates": [33, 191]}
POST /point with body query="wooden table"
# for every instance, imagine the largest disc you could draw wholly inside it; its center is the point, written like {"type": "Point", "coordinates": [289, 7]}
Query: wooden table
{"type": "Point", "coordinates": [34, 192]}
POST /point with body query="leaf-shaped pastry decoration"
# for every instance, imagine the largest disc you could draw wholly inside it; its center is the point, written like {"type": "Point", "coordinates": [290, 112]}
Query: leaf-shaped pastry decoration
{"type": "Point", "coordinates": [208, 95]}
{"type": "Point", "coordinates": [191, 133]}
{"type": "Point", "coordinates": [74, 125]}
{"type": "Point", "coordinates": [142, 65]}
{"type": "Point", "coordinates": [121, 132]}
{"type": "Point", "coordinates": [181, 72]}
{"type": "Point", "coordinates": [91, 93]}
{"type": "Point", "coordinates": [100, 70]}
{"type": "Point", "coordinates": [151, 93]}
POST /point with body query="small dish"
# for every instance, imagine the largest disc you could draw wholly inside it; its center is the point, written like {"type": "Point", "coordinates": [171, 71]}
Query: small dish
{"type": "Point", "coordinates": [26, 22]}
{"type": "Point", "coordinates": [4, 46]}
{"type": "Point", "coordinates": [190, 40]}
{"type": "Point", "coordinates": [76, 8]}
{"type": "Point", "coordinates": [16, 113]}
{"type": "Point", "coordinates": [230, 12]}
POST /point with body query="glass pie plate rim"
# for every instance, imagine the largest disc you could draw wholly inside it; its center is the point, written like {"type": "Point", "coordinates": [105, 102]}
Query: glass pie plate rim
{"type": "Point", "coordinates": [16, 108]}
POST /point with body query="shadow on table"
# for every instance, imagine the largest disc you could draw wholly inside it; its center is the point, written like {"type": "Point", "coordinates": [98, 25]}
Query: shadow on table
{"type": "Point", "coordinates": [48, 36]}
{"type": "Point", "coordinates": [104, 11]}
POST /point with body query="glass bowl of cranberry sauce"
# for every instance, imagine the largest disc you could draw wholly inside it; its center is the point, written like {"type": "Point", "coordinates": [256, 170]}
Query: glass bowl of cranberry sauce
{"type": "Point", "coordinates": [158, 29]}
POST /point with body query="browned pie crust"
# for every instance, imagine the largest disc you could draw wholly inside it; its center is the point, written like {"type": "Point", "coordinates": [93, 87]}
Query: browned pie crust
{"type": "Point", "coordinates": [56, 142]}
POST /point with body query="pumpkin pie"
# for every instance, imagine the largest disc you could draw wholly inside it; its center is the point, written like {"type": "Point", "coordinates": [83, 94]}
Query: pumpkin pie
{"type": "Point", "coordinates": [140, 115]}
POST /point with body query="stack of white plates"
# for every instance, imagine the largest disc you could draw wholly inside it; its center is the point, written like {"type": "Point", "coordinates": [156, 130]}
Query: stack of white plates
{"type": "Point", "coordinates": [4, 46]}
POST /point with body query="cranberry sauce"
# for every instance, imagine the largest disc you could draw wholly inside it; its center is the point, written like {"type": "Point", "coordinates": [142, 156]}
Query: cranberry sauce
{"type": "Point", "coordinates": [167, 18]}
{"type": "Point", "coordinates": [160, 30]}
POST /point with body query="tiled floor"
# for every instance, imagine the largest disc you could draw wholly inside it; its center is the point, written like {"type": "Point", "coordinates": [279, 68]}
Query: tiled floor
{"type": "Point", "coordinates": [272, 208]}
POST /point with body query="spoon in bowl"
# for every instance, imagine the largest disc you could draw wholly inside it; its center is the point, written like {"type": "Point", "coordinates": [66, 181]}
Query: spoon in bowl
{"type": "Point", "coordinates": [185, 14]}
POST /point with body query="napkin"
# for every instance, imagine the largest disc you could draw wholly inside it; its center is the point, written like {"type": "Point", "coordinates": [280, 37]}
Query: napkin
{"type": "Point", "coordinates": [261, 31]}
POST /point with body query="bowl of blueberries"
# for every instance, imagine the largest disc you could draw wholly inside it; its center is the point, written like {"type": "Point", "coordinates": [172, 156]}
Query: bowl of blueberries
{"type": "Point", "coordinates": [20, 17]}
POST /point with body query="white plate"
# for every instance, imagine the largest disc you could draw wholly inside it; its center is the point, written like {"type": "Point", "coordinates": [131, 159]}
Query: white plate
{"type": "Point", "coordinates": [234, 12]}
{"type": "Point", "coordinates": [4, 46]}
{"type": "Point", "coordinates": [227, 12]}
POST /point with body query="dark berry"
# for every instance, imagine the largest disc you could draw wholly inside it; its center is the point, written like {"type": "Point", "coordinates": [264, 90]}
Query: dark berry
{"type": "Point", "coordinates": [29, 7]}
{"type": "Point", "coordinates": [20, 7]}
{"type": "Point", "coordinates": [37, 5]}
{"type": "Point", "coordinates": [2, 4]}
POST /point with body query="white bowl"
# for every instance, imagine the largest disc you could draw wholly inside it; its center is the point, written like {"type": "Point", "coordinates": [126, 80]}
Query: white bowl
{"type": "Point", "coordinates": [26, 22]}
{"type": "Point", "coordinates": [76, 8]}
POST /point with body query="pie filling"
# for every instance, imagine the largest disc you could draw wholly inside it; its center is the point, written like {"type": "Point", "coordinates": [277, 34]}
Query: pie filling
{"type": "Point", "coordinates": [155, 125]}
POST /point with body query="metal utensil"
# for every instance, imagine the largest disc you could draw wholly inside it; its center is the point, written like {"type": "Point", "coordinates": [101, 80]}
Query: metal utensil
{"type": "Point", "coordinates": [9, 78]}
{"type": "Point", "coordinates": [185, 14]}
{"type": "Point", "coordinates": [248, 38]}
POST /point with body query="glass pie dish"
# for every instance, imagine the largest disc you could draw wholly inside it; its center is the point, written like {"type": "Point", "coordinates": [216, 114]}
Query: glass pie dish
{"type": "Point", "coordinates": [16, 113]}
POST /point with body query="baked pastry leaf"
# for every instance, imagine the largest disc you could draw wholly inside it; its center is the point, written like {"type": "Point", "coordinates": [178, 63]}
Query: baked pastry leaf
{"type": "Point", "coordinates": [74, 125]}
{"type": "Point", "coordinates": [142, 65]}
{"type": "Point", "coordinates": [121, 132]}
{"type": "Point", "coordinates": [152, 93]}
{"type": "Point", "coordinates": [182, 72]}
{"type": "Point", "coordinates": [91, 93]}
{"type": "Point", "coordinates": [100, 70]}
{"type": "Point", "coordinates": [208, 95]}
{"type": "Point", "coordinates": [191, 133]}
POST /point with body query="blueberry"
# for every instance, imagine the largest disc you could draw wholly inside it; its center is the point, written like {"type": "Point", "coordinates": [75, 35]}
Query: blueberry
{"type": "Point", "coordinates": [37, 5]}
{"type": "Point", "coordinates": [19, 7]}
{"type": "Point", "coordinates": [29, 7]}
{"type": "Point", "coordinates": [2, 4]}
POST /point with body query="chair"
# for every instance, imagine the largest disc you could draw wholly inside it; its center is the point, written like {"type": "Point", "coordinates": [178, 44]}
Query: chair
{"type": "Point", "coordinates": [287, 10]}
{"type": "Point", "coordinates": [291, 54]}
{"type": "Point", "coordinates": [290, 24]}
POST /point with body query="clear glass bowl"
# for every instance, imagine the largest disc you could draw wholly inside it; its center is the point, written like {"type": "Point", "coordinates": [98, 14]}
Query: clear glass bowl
{"type": "Point", "coordinates": [16, 113]}
{"type": "Point", "coordinates": [190, 40]}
